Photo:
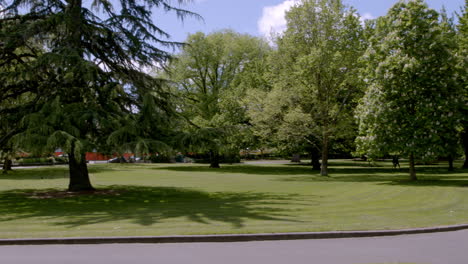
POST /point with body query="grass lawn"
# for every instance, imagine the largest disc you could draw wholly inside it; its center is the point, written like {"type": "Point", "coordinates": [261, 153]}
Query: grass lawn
{"type": "Point", "coordinates": [170, 199]}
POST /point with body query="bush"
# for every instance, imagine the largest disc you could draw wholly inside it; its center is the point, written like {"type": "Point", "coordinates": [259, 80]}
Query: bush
{"type": "Point", "coordinates": [61, 160]}
{"type": "Point", "coordinates": [34, 160]}
{"type": "Point", "coordinates": [161, 159]}
{"type": "Point", "coordinates": [226, 158]}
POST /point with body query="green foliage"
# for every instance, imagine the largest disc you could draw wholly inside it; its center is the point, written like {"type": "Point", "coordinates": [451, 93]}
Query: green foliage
{"type": "Point", "coordinates": [80, 65]}
{"type": "Point", "coordinates": [160, 158]}
{"type": "Point", "coordinates": [314, 72]}
{"type": "Point", "coordinates": [23, 161]}
{"type": "Point", "coordinates": [211, 76]}
{"type": "Point", "coordinates": [412, 103]}
{"type": "Point", "coordinates": [87, 77]}
{"type": "Point", "coordinates": [279, 122]}
{"type": "Point", "coordinates": [462, 40]}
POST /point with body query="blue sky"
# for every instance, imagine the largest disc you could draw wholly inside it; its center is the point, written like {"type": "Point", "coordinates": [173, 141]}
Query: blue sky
{"type": "Point", "coordinates": [259, 17]}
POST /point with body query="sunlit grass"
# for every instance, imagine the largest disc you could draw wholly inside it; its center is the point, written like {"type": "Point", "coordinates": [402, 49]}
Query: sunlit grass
{"type": "Point", "coordinates": [175, 199]}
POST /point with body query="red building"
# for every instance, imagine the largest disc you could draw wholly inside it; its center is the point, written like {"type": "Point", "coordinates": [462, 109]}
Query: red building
{"type": "Point", "coordinates": [96, 155]}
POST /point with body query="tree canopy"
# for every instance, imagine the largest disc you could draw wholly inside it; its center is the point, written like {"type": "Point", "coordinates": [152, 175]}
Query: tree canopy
{"type": "Point", "coordinates": [412, 101]}
{"type": "Point", "coordinates": [210, 78]}
{"type": "Point", "coordinates": [101, 76]}
{"type": "Point", "coordinates": [317, 63]}
{"type": "Point", "coordinates": [80, 68]}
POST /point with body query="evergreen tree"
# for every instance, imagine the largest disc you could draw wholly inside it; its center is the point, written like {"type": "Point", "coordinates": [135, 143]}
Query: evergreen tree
{"type": "Point", "coordinates": [87, 79]}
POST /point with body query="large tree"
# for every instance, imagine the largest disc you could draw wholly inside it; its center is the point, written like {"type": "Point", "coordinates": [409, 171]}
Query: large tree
{"type": "Point", "coordinates": [280, 123]}
{"type": "Point", "coordinates": [210, 77]}
{"type": "Point", "coordinates": [15, 103]}
{"type": "Point", "coordinates": [316, 63]}
{"type": "Point", "coordinates": [411, 106]}
{"type": "Point", "coordinates": [463, 80]}
{"type": "Point", "coordinates": [88, 77]}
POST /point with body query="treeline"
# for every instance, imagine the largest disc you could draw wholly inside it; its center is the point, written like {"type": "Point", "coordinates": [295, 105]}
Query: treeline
{"type": "Point", "coordinates": [395, 85]}
{"type": "Point", "coordinates": [71, 77]}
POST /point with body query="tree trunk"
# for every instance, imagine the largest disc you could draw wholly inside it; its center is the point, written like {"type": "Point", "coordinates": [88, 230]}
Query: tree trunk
{"type": "Point", "coordinates": [75, 25]}
{"type": "Point", "coordinates": [214, 159]}
{"type": "Point", "coordinates": [315, 160]}
{"type": "Point", "coordinates": [324, 167]}
{"type": "Point", "coordinates": [450, 162]}
{"type": "Point", "coordinates": [7, 165]}
{"type": "Point", "coordinates": [79, 177]}
{"type": "Point", "coordinates": [412, 169]}
{"type": "Point", "coordinates": [296, 158]}
{"type": "Point", "coordinates": [465, 147]}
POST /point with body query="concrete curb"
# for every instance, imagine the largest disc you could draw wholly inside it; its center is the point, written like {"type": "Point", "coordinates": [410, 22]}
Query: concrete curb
{"type": "Point", "coordinates": [227, 237]}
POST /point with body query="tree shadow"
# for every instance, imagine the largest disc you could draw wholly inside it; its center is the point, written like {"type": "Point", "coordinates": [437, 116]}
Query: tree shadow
{"type": "Point", "coordinates": [36, 174]}
{"type": "Point", "coordinates": [61, 172]}
{"type": "Point", "coordinates": [434, 175]}
{"type": "Point", "coordinates": [341, 163]}
{"type": "Point", "coordinates": [245, 169]}
{"type": "Point", "coordinates": [431, 183]}
{"type": "Point", "coordinates": [145, 206]}
{"type": "Point", "coordinates": [346, 178]}
{"type": "Point", "coordinates": [427, 176]}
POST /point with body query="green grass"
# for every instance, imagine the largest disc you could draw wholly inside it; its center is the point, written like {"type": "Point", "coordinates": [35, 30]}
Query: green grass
{"type": "Point", "coordinates": [165, 199]}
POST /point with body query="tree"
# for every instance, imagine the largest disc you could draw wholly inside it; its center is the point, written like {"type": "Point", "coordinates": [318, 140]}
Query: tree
{"type": "Point", "coordinates": [410, 106]}
{"type": "Point", "coordinates": [280, 123]}
{"type": "Point", "coordinates": [15, 103]}
{"type": "Point", "coordinates": [88, 78]}
{"type": "Point", "coordinates": [9, 126]}
{"type": "Point", "coordinates": [462, 39]}
{"type": "Point", "coordinates": [317, 63]}
{"type": "Point", "coordinates": [209, 77]}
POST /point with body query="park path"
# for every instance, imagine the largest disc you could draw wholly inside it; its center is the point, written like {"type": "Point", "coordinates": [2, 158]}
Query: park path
{"type": "Point", "coordinates": [433, 248]}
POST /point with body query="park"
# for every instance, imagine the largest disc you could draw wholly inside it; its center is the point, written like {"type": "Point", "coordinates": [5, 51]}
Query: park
{"type": "Point", "coordinates": [339, 122]}
{"type": "Point", "coordinates": [192, 199]}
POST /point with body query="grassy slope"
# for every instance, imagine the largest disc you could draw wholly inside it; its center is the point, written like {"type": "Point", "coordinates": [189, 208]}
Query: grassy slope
{"type": "Point", "coordinates": [192, 199]}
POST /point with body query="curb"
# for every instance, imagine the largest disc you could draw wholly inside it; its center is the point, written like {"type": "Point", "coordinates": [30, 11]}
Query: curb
{"type": "Point", "coordinates": [227, 237]}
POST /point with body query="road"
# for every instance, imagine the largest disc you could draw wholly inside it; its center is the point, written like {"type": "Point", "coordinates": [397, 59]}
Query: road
{"type": "Point", "coordinates": [435, 248]}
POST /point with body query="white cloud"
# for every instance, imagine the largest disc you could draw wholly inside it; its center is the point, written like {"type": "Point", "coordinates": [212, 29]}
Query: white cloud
{"type": "Point", "coordinates": [273, 18]}
{"type": "Point", "coordinates": [366, 16]}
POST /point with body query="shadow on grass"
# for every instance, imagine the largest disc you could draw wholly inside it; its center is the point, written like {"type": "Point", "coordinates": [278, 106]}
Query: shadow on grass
{"type": "Point", "coordinates": [55, 172]}
{"type": "Point", "coordinates": [145, 206]}
{"type": "Point", "coordinates": [432, 183]}
{"type": "Point", "coordinates": [335, 169]}
{"type": "Point", "coordinates": [427, 176]}
{"type": "Point", "coordinates": [245, 169]}
{"type": "Point", "coordinates": [341, 163]}
{"type": "Point", "coordinates": [36, 174]}
{"type": "Point", "coordinates": [423, 181]}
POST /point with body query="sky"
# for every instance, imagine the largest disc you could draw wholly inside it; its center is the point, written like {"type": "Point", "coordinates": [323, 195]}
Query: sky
{"type": "Point", "coordinates": [261, 17]}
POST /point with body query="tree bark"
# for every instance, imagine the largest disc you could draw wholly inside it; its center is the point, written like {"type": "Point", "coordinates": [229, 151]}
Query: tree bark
{"type": "Point", "coordinates": [315, 160]}
{"type": "Point", "coordinates": [296, 158]}
{"type": "Point", "coordinates": [412, 168]}
{"type": "Point", "coordinates": [465, 147]}
{"type": "Point", "coordinates": [450, 162]}
{"type": "Point", "coordinates": [7, 165]}
{"type": "Point", "coordinates": [75, 25]}
{"type": "Point", "coordinates": [79, 176]}
{"type": "Point", "coordinates": [324, 166]}
{"type": "Point", "coordinates": [214, 159]}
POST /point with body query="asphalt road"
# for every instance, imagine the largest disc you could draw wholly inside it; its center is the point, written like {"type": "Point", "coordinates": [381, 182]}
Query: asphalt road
{"type": "Point", "coordinates": [434, 248]}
